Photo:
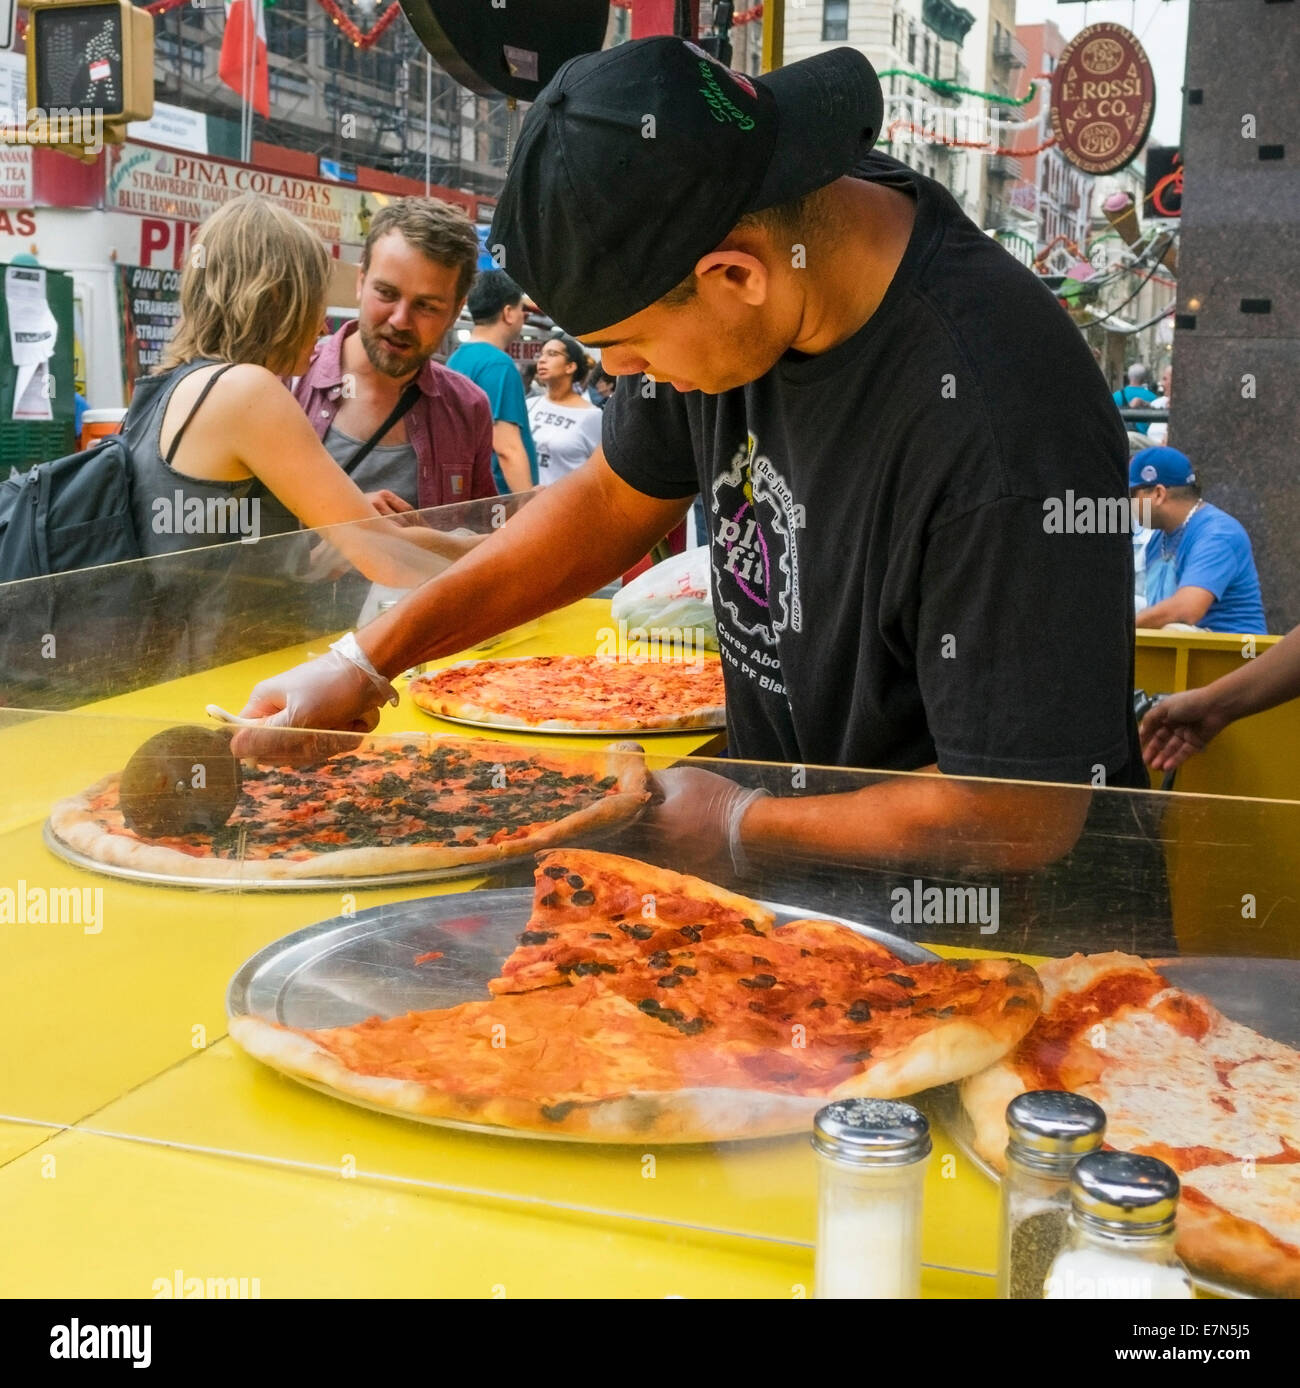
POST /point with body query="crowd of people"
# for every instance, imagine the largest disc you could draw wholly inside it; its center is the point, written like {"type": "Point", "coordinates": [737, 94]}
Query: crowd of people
{"type": "Point", "coordinates": [396, 430]}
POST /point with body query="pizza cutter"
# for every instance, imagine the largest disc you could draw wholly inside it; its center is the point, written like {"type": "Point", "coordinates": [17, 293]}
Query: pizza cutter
{"type": "Point", "coordinates": [181, 781]}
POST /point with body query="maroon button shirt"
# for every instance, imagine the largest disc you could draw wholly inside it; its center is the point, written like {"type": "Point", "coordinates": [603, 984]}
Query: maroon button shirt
{"type": "Point", "coordinates": [449, 426]}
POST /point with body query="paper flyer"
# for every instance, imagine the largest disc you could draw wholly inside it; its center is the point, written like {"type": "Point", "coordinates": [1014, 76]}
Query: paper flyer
{"type": "Point", "coordinates": [32, 332]}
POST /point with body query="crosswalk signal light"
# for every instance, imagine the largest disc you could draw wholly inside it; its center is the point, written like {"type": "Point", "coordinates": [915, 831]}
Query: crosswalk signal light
{"type": "Point", "coordinates": [89, 72]}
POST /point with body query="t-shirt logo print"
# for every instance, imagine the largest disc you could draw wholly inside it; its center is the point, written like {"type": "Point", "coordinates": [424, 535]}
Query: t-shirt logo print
{"type": "Point", "coordinates": [755, 561]}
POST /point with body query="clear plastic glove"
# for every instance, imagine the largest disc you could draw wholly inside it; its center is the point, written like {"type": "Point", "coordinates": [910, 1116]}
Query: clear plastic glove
{"type": "Point", "coordinates": [696, 814]}
{"type": "Point", "coordinates": [328, 692]}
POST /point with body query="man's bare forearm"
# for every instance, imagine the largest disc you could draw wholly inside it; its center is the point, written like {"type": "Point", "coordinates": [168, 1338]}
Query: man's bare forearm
{"type": "Point", "coordinates": [1187, 605]}
{"type": "Point", "coordinates": [1270, 679]}
{"type": "Point", "coordinates": [923, 821]}
{"type": "Point", "coordinates": [571, 539]}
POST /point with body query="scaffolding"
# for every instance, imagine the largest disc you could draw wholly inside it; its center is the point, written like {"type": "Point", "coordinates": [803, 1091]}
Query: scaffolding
{"type": "Point", "coordinates": [389, 107]}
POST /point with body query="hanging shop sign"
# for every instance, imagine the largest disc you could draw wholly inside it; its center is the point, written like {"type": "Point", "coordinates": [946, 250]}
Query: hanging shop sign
{"type": "Point", "coordinates": [1103, 99]}
{"type": "Point", "coordinates": [1164, 182]}
{"type": "Point", "coordinates": [165, 184]}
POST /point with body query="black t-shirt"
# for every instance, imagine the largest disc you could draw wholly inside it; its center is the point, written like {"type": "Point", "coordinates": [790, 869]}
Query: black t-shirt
{"type": "Point", "coordinates": [887, 591]}
{"type": "Point", "coordinates": [891, 587]}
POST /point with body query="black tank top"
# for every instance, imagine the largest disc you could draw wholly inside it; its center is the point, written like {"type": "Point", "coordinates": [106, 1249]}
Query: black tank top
{"type": "Point", "coordinates": [163, 499]}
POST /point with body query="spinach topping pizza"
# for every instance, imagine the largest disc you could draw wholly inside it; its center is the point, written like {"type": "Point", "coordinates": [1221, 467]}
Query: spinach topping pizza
{"type": "Point", "coordinates": [386, 807]}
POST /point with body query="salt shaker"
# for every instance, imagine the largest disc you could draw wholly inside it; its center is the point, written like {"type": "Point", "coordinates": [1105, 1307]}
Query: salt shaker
{"type": "Point", "coordinates": [872, 1155]}
{"type": "Point", "coordinates": [1048, 1131]}
{"type": "Point", "coordinates": [1121, 1240]}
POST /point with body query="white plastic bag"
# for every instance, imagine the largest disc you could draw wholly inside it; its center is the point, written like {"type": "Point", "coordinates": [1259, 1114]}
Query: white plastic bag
{"type": "Point", "coordinates": [672, 599]}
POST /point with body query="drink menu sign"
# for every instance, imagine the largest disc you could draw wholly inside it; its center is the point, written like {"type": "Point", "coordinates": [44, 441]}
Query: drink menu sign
{"type": "Point", "coordinates": [187, 187]}
{"type": "Point", "coordinates": [149, 304]}
{"type": "Point", "coordinates": [1103, 99]}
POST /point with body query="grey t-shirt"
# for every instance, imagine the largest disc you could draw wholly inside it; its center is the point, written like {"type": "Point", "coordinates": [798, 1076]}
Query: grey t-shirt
{"type": "Point", "coordinates": [391, 467]}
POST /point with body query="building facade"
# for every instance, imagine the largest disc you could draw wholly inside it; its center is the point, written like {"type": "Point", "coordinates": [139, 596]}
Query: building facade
{"type": "Point", "coordinates": [902, 36]}
{"type": "Point", "coordinates": [1056, 196]}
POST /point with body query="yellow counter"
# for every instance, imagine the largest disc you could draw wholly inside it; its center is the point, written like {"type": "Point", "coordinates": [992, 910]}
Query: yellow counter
{"type": "Point", "coordinates": [153, 1151]}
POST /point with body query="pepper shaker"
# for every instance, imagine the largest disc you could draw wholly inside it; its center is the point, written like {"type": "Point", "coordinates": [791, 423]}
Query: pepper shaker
{"type": "Point", "coordinates": [1048, 1131]}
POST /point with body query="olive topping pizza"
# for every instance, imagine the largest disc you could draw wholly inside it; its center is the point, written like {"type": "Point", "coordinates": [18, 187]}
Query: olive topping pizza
{"type": "Point", "coordinates": [643, 1003]}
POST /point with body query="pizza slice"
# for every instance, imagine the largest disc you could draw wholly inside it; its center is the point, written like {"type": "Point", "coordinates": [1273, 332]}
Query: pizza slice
{"type": "Point", "coordinates": [576, 1062]}
{"type": "Point", "coordinates": [593, 912]}
{"type": "Point", "coordinates": [702, 1020]}
{"type": "Point", "coordinates": [1215, 1100]}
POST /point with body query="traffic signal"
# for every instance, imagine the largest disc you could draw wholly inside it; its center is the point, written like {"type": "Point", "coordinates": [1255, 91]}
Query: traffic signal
{"type": "Point", "coordinates": [89, 72]}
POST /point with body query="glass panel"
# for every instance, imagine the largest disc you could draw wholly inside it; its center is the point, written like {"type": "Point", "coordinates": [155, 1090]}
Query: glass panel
{"type": "Point", "coordinates": [113, 1004]}
{"type": "Point", "coordinates": [114, 990]}
{"type": "Point", "coordinates": [90, 633]}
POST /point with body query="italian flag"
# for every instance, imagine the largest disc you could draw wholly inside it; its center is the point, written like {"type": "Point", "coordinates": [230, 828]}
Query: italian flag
{"type": "Point", "coordinates": [243, 65]}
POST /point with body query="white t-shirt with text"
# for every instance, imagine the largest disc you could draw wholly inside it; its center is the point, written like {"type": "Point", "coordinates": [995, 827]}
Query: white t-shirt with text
{"type": "Point", "coordinates": [565, 437]}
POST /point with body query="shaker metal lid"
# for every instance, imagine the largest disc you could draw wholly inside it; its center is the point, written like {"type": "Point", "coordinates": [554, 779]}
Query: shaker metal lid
{"type": "Point", "coordinates": [1124, 1190]}
{"type": "Point", "coordinates": [1055, 1123]}
{"type": "Point", "coordinates": [873, 1132]}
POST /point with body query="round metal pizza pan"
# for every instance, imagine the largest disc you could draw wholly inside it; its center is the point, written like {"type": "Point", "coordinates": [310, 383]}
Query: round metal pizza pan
{"type": "Point", "coordinates": [464, 872]}
{"type": "Point", "coordinates": [345, 969]}
{"type": "Point", "coordinates": [573, 732]}
{"type": "Point", "coordinates": [499, 727]}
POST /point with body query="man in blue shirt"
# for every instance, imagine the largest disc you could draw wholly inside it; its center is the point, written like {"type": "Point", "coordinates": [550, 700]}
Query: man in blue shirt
{"type": "Point", "coordinates": [1135, 395]}
{"type": "Point", "coordinates": [1199, 567]}
{"type": "Point", "coordinates": [495, 304]}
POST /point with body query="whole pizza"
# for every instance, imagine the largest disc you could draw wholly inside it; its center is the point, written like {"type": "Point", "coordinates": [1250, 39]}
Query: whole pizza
{"type": "Point", "coordinates": [641, 1003]}
{"type": "Point", "coordinates": [1179, 1081]}
{"type": "Point", "coordinates": [385, 807]}
{"type": "Point", "coordinates": [577, 693]}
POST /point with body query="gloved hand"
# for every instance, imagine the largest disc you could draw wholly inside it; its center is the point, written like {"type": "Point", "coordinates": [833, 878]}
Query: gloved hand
{"type": "Point", "coordinates": [697, 815]}
{"type": "Point", "coordinates": [328, 692]}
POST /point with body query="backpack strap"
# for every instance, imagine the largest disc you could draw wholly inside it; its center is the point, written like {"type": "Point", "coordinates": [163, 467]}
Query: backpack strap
{"type": "Point", "coordinates": [194, 409]}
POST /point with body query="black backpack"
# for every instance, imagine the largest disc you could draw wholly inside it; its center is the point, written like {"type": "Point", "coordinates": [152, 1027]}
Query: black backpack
{"type": "Point", "coordinates": [75, 512]}
{"type": "Point", "coordinates": [71, 513]}
{"type": "Point", "coordinates": [83, 631]}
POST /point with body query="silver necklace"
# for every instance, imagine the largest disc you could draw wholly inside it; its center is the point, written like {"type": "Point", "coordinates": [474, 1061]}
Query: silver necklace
{"type": "Point", "coordinates": [1168, 540]}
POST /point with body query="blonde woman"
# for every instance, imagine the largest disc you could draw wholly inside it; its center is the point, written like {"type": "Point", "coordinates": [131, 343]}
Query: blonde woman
{"type": "Point", "coordinates": [216, 423]}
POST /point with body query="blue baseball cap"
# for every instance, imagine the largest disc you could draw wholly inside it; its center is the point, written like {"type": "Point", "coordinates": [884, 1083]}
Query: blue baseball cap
{"type": "Point", "coordinates": [1164, 467]}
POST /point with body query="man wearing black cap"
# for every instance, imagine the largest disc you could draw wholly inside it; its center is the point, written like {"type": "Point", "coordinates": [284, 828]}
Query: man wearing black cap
{"type": "Point", "coordinates": [866, 390]}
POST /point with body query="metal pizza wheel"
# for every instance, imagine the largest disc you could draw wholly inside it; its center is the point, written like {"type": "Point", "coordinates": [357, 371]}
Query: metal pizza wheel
{"type": "Point", "coordinates": [181, 781]}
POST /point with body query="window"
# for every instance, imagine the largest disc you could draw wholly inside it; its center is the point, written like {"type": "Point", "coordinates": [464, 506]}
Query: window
{"type": "Point", "coordinates": [835, 21]}
{"type": "Point", "coordinates": [911, 46]}
{"type": "Point", "coordinates": [286, 29]}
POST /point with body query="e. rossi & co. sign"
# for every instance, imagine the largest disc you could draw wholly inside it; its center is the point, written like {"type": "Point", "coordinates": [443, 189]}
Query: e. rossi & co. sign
{"type": "Point", "coordinates": [1103, 99]}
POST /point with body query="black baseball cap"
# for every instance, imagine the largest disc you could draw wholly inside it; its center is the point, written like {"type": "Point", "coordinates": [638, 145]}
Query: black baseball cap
{"type": "Point", "coordinates": [636, 161]}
